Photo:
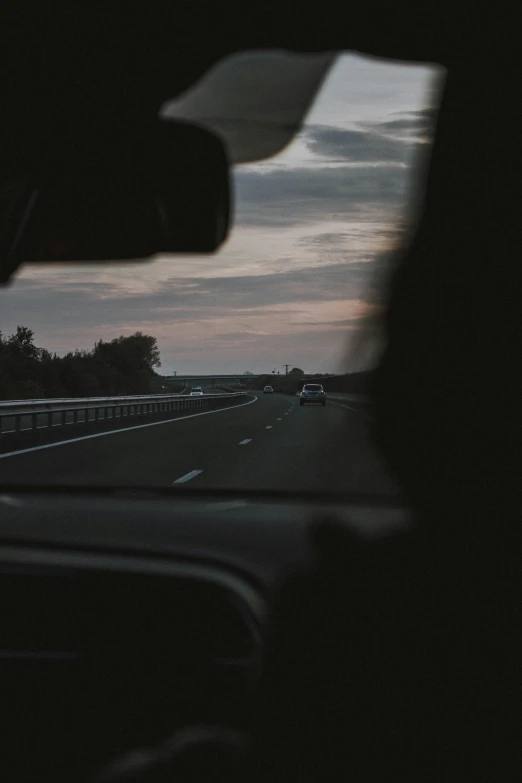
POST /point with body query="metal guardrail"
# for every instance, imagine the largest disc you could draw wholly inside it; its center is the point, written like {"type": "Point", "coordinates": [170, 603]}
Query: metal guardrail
{"type": "Point", "coordinates": [78, 402]}
{"type": "Point", "coordinates": [18, 416]}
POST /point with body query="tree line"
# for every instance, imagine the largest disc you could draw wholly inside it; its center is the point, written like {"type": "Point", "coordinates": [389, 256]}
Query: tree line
{"type": "Point", "coordinates": [124, 365]}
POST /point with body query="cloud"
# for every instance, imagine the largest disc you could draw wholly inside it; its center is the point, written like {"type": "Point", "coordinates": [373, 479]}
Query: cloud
{"type": "Point", "coordinates": [95, 309]}
{"type": "Point", "coordinates": [417, 123]}
{"type": "Point", "coordinates": [346, 238]}
{"type": "Point", "coordinates": [357, 322]}
{"type": "Point", "coordinates": [365, 174]}
{"type": "Point", "coordinates": [294, 276]}
{"type": "Point", "coordinates": [386, 142]}
{"type": "Point", "coordinates": [303, 195]}
{"type": "Point", "coordinates": [358, 146]}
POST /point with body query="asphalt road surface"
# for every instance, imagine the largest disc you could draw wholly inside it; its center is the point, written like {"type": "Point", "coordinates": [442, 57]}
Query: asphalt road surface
{"type": "Point", "coordinates": [268, 442]}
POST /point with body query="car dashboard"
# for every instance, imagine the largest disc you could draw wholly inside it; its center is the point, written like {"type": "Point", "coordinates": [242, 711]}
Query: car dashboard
{"type": "Point", "coordinates": [126, 616]}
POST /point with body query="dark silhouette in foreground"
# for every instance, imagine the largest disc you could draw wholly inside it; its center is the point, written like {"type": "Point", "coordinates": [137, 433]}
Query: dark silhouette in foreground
{"type": "Point", "coordinates": [399, 658]}
{"type": "Point", "coordinates": [395, 658]}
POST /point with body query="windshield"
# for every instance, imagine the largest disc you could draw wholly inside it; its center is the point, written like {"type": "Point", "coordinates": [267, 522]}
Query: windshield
{"type": "Point", "coordinates": [98, 362]}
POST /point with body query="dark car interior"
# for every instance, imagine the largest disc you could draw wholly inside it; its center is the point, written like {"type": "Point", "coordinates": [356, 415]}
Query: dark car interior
{"type": "Point", "coordinates": [96, 654]}
{"type": "Point", "coordinates": [129, 615]}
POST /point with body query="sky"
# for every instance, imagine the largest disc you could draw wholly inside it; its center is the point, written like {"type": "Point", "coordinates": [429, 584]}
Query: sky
{"type": "Point", "coordinates": [300, 279]}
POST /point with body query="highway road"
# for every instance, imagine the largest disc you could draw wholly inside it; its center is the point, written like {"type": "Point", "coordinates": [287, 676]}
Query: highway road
{"type": "Point", "coordinates": [268, 442]}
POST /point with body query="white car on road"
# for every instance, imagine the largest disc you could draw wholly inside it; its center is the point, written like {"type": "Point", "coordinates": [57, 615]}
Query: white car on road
{"type": "Point", "coordinates": [268, 390]}
{"type": "Point", "coordinates": [314, 393]}
{"type": "Point", "coordinates": [196, 392]}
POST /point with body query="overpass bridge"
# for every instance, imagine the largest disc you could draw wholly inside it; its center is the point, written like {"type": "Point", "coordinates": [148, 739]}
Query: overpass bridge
{"type": "Point", "coordinates": [210, 380]}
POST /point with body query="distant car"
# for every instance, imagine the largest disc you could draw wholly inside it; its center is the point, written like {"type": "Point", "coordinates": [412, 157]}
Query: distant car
{"type": "Point", "coordinates": [196, 392]}
{"type": "Point", "coordinates": [314, 393]}
{"type": "Point", "coordinates": [268, 390]}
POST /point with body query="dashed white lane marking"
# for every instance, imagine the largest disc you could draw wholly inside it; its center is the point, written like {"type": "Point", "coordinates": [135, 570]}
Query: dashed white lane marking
{"type": "Point", "coordinates": [280, 419]}
{"type": "Point", "coordinates": [123, 429]}
{"type": "Point", "coordinates": [244, 442]}
{"type": "Point", "coordinates": [269, 427]}
{"type": "Point", "coordinates": [187, 477]}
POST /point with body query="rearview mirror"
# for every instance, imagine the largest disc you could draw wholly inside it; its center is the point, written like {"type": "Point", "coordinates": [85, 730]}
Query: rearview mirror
{"type": "Point", "coordinates": [163, 189]}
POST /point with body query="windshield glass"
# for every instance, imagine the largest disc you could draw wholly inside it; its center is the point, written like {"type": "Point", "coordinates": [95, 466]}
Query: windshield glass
{"type": "Point", "coordinates": [296, 293]}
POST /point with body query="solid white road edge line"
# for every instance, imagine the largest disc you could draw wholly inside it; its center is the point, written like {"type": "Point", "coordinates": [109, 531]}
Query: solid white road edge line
{"type": "Point", "coordinates": [348, 408]}
{"type": "Point", "coordinates": [187, 477]}
{"type": "Point", "coordinates": [124, 429]}
{"type": "Point", "coordinates": [353, 410]}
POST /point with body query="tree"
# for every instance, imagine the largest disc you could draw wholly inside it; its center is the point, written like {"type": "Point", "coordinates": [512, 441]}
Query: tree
{"type": "Point", "coordinates": [19, 366]}
{"type": "Point", "coordinates": [22, 342]}
{"type": "Point", "coordinates": [124, 365]}
{"type": "Point", "coordinates": [296, 371]}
